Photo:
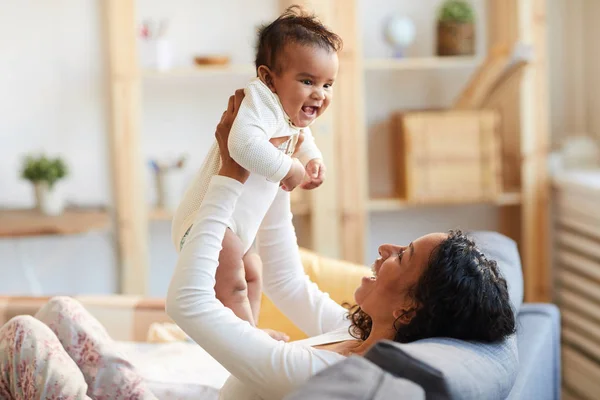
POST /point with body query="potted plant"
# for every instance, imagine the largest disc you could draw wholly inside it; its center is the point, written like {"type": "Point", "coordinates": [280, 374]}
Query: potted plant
{"type": "Point", "coordinates": [44, 173]}
{"type": "Point", "coordinates": [456, 29]}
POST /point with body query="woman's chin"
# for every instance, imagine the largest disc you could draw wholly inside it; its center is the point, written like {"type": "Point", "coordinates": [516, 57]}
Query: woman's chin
{"type": "Point", "coordinates": [361, 292]}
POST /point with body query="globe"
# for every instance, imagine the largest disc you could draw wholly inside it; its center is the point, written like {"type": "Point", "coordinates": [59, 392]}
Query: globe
{"type": "Point", "coordinates": [399, 32]}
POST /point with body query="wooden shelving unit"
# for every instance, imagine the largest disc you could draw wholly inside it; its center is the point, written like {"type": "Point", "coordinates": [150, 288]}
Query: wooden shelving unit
{"type": "Point", "coordinates": [198, 71]}
{"type": "Point", "coordinates": [405, 64]}
{"type": "Point", "coordinates": [30, 222]}
{"type": "Point", "coordinates": [159, 214]}
{"type": "Point", "coordinates": [420, 63]}
{"type": "Point", "coordinates": [387, 205]}
{"type": "Point", "coordinates": [338, 212]}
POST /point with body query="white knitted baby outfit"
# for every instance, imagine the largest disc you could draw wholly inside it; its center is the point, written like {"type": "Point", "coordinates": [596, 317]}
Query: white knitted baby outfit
{"type": "Point", "coordinates": [260, 118]}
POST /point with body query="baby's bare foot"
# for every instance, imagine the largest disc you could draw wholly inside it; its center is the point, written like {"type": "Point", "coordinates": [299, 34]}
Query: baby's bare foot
{"type": "Point", "coordinates": [277, 335]}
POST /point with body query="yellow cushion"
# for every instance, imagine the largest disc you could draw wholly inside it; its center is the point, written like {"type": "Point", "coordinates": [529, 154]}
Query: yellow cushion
{"type": "Point", "coordinates": [338, 278]}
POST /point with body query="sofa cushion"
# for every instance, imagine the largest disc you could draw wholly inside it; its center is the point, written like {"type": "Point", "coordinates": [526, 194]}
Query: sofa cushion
{"type": "Point", "coordinates": [185, 370]}
{"type": "Point", "coordinates": [356, 379]}
{"type": "Point", "coordinates": [449, 368]}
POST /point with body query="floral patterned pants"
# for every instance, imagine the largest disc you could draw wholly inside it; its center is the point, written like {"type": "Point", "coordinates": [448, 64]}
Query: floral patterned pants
{"type": "Point", "coordinates": [63, 353]}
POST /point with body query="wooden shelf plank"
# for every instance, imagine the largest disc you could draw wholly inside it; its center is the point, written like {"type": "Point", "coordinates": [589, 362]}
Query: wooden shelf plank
{"type": "Point", "coordinates": [159, 214]}
{"type": "Point", "coordinates": [394, 204]}
{"type": "Point", "coordinates": [419, 63]}
{"type": "Point", "coordinates": [300, 209]}
{"type": "Point", "coordinates": [30, 222]}
{"type": "Point", "coordinates": [199, 71]}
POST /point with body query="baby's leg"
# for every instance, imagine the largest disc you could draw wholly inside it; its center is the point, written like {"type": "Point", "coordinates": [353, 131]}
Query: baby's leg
{"type": "Point", "coordinates": [34, 365]}
{"type": "Point", "coordinates": [253, 269]}
{"type": "Point", "coordinates": [231, 287]}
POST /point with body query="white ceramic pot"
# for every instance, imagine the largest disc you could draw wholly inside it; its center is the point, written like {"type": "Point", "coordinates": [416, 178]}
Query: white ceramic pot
{"type": "Point", "coordinates": [48, 201]}
{"type": "Point", "coordinates": [168, 188]}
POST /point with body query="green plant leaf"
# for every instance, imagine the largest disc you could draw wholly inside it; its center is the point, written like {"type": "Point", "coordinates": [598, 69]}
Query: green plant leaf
{"type": "Point", "coordinates": [457, 11]}
{"type": "Point", "coordinates": [44, 169]}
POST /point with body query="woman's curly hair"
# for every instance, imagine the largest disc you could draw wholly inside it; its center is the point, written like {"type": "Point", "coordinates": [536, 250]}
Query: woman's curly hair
{"type": "Point", "coordinates": [461, 294]}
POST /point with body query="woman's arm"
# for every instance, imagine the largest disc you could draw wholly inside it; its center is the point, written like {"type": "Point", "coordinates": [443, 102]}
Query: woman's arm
{"type": "Point", "coordinates": [284, 279]}
{"type": "Point", "coordinates": [269, 367]}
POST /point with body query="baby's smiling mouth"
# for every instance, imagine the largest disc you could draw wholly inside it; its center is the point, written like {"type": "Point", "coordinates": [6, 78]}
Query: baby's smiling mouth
{"type": "Point", "coordinates": [310, 111]}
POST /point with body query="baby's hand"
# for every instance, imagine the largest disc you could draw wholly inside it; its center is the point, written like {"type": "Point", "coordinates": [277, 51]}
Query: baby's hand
{"type": "Point", "coordinates": [294, 177]}
{"type": "Point", "coordinates": [315, 174]}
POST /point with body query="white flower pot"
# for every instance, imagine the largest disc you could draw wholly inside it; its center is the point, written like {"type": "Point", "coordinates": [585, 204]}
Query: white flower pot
{"type": "Point", "coordinates": [48, 201]}
{"type": "Point", "coordinates": [168, 188]}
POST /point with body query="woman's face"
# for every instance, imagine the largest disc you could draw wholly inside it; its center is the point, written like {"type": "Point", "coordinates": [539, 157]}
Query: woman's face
{"type": "Point", "coordinates": [386, 294]}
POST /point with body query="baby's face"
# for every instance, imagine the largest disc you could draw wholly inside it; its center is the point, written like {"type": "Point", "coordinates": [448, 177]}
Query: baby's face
{"type": "Point", "coordinates": [305, 83]}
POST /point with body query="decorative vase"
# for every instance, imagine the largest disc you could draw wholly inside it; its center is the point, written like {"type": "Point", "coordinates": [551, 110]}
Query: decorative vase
{"type": "Point", "coordinates": [48, 200]}
{"type": "Point", "coordinates": [168, 188]}
{"type": "Point", "coordinates": [455, 39]}
{"type": "Point", "coordinates": [399, 32]}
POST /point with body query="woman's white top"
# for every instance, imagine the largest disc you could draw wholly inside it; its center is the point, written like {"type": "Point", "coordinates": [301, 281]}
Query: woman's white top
{"type": "Point", "coordinates": [261, 367]}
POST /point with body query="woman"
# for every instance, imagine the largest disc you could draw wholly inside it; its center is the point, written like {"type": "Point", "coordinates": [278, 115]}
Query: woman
{"type": "Point", "coordinates": [438, 285]}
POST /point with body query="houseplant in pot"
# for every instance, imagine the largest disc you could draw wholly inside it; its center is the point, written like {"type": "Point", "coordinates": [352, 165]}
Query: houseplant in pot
{"type": "Point", "coordinates": [456, 29]}
{"type": "Point", "coordinates": [44, 173]}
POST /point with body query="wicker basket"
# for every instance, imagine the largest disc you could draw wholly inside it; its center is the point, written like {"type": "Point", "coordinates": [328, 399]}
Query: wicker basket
{"type": "Point", "coordinates": [455, 39]}
{"type": "Point", "coordinates": [447, 156]}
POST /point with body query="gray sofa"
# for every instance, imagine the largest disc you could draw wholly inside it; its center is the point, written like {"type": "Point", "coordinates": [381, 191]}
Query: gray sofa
{"type": "Point", "coordinates": [525, 366]}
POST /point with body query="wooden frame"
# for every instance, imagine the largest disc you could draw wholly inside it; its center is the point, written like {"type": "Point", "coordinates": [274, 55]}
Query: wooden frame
{"type": "Point", "coordinates": [525, 133]}
{"type": "Point", "coordinates": [339, 211]}
{"type": "Point", "coordinates": [130, 209]}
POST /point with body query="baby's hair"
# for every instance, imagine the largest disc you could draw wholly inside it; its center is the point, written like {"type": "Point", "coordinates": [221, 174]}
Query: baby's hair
{"type": "Point", "coordinates": [295, 25]}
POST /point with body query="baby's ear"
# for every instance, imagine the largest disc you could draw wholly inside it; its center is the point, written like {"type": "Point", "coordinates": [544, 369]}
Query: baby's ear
{"type": "Point", "coordinates": [266, 75]}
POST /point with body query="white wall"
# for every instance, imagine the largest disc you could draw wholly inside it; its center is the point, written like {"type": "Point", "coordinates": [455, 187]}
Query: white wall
{"type": "Point", "coordinates": [53, 98]}
{"type": "Point", "coordinates": [52, 95]}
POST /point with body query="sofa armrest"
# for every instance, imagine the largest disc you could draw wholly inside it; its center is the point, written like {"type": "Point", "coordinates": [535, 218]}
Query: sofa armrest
{"type": "Point", "coordinates": [126, 318]}
{"type": "Point", "coordinates": [538, 338]}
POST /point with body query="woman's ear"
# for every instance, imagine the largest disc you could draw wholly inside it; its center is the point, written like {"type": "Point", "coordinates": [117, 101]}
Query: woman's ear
{"type": "Point", "coordinates": [266, 75]}
{"type": "Point", "coordinates": [404, 316]}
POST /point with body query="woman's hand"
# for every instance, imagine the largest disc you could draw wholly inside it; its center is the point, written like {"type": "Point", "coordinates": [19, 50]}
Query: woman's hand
{"type": "Point", "coordinates": [229, 167]}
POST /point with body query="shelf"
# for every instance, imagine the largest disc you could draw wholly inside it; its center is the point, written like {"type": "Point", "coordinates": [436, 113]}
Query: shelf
{"type": "Point", "coordinates": [391, 204]}
{"type": "Point", "coordinates": [373, 64]}
{"type": "Point", "coordinates": [418, 63]}
{"type": "Point", "coordinates": [198, 71]}
{"type": "Point", "coordinates": [158, 214]}
{"type": "Point", "coordinates": [300, 209]}
{"type": "Point", "coordinates": [30, 222]}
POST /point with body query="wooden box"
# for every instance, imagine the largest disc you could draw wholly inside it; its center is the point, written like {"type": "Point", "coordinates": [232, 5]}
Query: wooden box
{"type": "Point", "coordinates": [447, 156]}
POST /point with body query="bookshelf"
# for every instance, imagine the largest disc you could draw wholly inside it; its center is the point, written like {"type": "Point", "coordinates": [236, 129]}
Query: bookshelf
{"type": "Point", "coordinates": [338, 213]}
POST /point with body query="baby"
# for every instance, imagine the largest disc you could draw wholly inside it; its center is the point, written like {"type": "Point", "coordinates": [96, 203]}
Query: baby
{"type": "Point", "coordinates": [297, 64]}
